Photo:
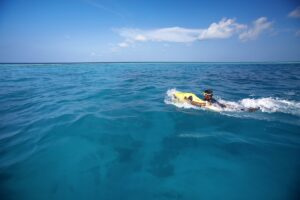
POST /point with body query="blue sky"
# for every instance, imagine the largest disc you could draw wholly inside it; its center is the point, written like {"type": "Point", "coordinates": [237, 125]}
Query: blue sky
{"type": "Point", "coordinates": [135, 30]}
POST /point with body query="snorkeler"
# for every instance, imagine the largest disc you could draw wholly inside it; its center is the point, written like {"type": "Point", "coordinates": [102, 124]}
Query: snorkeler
{"type": "Point", "coordinates": [207, 101]}
{"type": "Point", "coordinates": [208, 97]}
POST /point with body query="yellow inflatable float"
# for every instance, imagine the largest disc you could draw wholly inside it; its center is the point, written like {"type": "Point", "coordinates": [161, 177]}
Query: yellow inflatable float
{"type": "Point", "coordinates": [191, 98]}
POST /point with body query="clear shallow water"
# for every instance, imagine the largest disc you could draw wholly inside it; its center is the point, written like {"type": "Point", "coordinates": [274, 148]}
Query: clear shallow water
{"type": "Point", "coordinates": [108, 131]}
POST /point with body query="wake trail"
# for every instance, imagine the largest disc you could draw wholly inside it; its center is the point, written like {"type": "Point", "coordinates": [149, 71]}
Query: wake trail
{"type": "Point", "coordinates": [265, 104]}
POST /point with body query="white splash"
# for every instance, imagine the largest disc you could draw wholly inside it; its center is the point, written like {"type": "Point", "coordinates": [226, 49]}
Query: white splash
{"type": "Point", "coordinates": [267, 104]}
{"type": "Point", "coordinates": [169, 99]}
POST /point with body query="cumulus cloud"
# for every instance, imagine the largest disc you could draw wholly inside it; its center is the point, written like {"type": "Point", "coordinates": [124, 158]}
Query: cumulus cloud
{"type": "Point", "coordinates": [260, 25]}
{"type": "Point", "coordinates": [223, 29]}
{"type": "Point", "coordinates": [295, 13]}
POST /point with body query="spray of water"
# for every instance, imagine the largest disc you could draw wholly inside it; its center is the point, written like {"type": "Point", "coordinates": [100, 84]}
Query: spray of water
{"type": "Point", "coordinates": [267, 104]}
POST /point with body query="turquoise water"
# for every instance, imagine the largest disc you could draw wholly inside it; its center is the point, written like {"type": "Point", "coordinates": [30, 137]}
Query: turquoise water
{"type": "Point", "coordinates": [111, 131]}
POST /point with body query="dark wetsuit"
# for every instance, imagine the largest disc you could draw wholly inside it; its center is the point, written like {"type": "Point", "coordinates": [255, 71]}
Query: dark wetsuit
{"type": "Point", "coordinates": [213, 101]}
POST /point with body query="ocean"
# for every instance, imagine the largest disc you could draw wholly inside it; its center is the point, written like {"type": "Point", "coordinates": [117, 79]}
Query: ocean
{"type": "Point", "coordinates": [111, 131]}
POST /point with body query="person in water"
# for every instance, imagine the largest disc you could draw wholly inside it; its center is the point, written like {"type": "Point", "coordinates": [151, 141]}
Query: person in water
{"type": "Point", "coordinates": [208, 97]}
{"type": "Point", "coordinates": [209, 100]}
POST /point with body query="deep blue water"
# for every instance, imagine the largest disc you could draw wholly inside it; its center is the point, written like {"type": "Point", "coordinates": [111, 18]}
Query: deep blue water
{"type": "Point", "coordinates": [107, 131]}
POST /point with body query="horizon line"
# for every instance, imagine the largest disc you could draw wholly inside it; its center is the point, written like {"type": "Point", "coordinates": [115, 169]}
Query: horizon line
{"type": "Point", "coordinates": [103, 62]}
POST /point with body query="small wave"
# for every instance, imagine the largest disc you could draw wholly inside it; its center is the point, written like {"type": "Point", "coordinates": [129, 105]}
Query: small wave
{"type": "Point", "coordinates": [290, 93]}
{"type": "Point", "coordinates": [266, 104]}
{"type": "Point", "coordinates": [193, 135]}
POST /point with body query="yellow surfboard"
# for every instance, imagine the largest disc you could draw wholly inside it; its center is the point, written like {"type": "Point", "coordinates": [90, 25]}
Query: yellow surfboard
{"type": "Point", "coordinates": [185, 96]}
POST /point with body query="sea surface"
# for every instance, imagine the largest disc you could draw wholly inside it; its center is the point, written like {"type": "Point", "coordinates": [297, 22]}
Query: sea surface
{"type": "Point", "coordinates": [111, 131]}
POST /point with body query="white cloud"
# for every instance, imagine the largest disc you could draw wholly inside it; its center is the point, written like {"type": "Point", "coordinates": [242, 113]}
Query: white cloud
{"type": "Point", "coordinates": [260, 25]}
{"type": "Point", "coordinates": [140, 38]}
{"type": "Point", "coordinates": [295, 13]}
{"type": "Point", "coordinates": [123, 44]}
{"type": "Point", "coordinates": [223, 29]}
{"type": "Point", "coordinates": [172, 34]}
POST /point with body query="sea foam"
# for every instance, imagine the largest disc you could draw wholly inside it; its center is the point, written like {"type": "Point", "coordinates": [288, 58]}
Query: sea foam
{"type": "Point", "coordinates": [265, 104]}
